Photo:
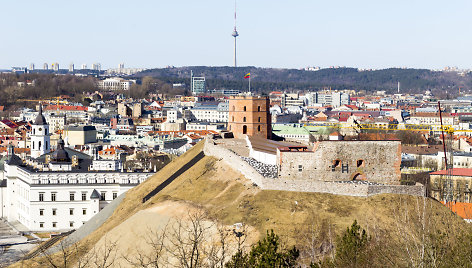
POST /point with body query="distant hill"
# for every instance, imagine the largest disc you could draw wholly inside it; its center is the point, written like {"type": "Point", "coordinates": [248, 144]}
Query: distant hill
{"type": "Point", "coordinates": [269, 79]}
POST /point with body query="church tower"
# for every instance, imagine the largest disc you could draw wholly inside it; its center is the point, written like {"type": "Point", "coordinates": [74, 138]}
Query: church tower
{"type": "Point", "coordinates": [40, 141]}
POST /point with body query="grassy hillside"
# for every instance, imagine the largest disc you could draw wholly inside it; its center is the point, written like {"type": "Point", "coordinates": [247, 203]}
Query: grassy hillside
{"type": "Point", "coordinates": [230, 198]}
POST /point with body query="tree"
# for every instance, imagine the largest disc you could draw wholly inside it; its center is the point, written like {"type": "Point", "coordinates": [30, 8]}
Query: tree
{"type": "Point", "coordinates": [351, 247]}
{"type": "Point", "coordinates": [267, 253]}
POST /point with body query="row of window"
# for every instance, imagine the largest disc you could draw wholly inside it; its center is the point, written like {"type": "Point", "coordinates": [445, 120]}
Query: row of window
{"type": "Point", "coordinates": [54, 211]}
{"type": "Point", "coordinates": [54, 224]}
{"type": "Point", "coordinates": [72, 196]}
{"type": "Point", "coordinates": [244, 108]}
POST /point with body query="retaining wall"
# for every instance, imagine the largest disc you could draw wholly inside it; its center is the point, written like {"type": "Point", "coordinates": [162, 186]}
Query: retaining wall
{"type": "Point", "coordinates": [351, 189]}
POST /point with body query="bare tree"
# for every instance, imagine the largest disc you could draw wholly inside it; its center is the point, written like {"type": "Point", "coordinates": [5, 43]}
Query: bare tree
{"type": "Point", "coordinates": [155, 239]}
{"type": "Point", "coordinates": [186, 241]}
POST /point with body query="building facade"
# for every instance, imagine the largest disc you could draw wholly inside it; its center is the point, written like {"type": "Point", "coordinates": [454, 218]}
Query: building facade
{"type": "Point", "coordinates": [249, 115]}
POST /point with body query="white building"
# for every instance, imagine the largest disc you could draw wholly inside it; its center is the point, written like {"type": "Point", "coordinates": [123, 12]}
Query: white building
{"type": "Point", "coordinates": [210, 112]}
{"type": "Point", "coordinates": [60, 190]}
{"type": "Point", "coordinates": [114, 84]}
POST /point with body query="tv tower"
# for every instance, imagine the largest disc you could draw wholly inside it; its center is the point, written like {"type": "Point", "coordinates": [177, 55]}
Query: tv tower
{"type": "Point", "coordinates": [235, 34]}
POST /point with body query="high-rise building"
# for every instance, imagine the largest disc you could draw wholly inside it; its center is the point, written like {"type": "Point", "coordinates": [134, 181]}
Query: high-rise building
{"type": "Point", "coordinates": [45, 66]}
{"type": "Point", "coordinates": [71, 68]}
{"type": "Point", "coordinates": [84, 66]}
{"type": "Point", "coordinates": [55, 66]}
{"type": "Point", "coordinates": [249, 115]}
{"type": "Point", "coordinates": [96, 66]}
{"type": "Point", "coordinates": [121, 66]}
{"type": "Point", "coordinates": [31, 67]}
{"type": "Point", "coordinates": [198, 85]}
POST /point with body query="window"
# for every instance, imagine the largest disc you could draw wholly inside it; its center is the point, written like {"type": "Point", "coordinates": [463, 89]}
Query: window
{"type": "Point", "coordinates": [259, 128]}
{"type": "Point", "coordinates": [360, 163]}
{"type": "Point", "coordinates": [53, 196]}
{"type": "Point", "coordinates": [244, 129]}
{"type": "Point", "coordinates": [102, 196]}
{"type": "Point", "coordinates": [244, 108]}
{"type": "Point", "coordinates": [259, 119]}
{"type": "Point", "coordinates": [54, 212]}
{"type": "Point", "coordinates": [54, 224]}
{"type": "Point", "coordinates": [84, 196]}
{"type": "Point", "coordinates": [258, 108]}
{"type": "Point", "coordinates": [39, 147]}
{"type": "Point", "coordinates": [72, 196]}
{"type": "Point", "coordinates": [41, 212]}
{"type": "Point", "coordinates": [84, 211]}
{"type": "Point", "coordinates": [115, 195]}
{"type": "Point", "coordinates": [41, 225]}
{"type": "Point", "coordinates": [244, 119]}
{"type": "Point", "coordinates": [41, 197]}
{"type": "Point", "coordinates": [71, 224]}
{"type": "Point", "coordinates": [71, 211]}
{"type": "Point", "coordinates": [300, 168]}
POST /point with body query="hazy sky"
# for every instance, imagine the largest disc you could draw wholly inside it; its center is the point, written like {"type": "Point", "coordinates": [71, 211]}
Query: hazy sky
{"type": "Point", "coordinates": [273, 33]}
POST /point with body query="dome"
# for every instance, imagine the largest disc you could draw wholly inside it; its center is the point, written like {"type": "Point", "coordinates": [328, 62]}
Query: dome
{"type": "Point", "coordinates": [40, 120]}
{"type": "Point", "coordinates": [60, 155]}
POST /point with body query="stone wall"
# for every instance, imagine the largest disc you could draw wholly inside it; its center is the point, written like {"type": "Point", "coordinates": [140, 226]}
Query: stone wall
{"type": "Point", "coordinates": [374, 161]}
{"type": "Point", "coordinates": [351, 189]}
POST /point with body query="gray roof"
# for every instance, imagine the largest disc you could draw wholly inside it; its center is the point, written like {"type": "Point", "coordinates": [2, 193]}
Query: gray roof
{"type": "Point", "coordinates": [40, 120]}
{"type": "Point", "coordinates": [80, 128]}
{"type": "Point", "coordinates": [95, 194]}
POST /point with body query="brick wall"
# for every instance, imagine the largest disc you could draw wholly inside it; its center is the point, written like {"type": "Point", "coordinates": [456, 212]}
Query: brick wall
{"type": "Point", "coordinates": [249, 115]}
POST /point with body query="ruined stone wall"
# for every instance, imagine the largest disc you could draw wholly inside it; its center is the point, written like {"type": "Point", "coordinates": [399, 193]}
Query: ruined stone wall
{"type": "Point", "coordinates": [374, 161]}
{"type": "Point", "coordinates": [301, 185]}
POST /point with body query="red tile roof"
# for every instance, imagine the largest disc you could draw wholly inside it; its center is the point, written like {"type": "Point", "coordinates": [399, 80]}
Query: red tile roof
{"type": "Point", "coordinates": [464, 210]}
{"type": "Point", "coordinates": [466, 172]}
{"type": "Point", "coordinates": [66, 108]}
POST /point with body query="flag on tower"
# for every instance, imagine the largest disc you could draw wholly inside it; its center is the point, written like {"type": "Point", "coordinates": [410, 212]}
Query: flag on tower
{"type": "Point", "coordinates": [248, 75]}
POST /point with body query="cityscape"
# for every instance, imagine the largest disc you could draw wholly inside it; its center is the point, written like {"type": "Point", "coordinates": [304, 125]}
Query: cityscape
{"type": "Point", "coordinates": [240, 164]}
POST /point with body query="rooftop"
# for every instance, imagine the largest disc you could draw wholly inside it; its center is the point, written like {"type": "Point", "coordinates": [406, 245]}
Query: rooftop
{"type": "Point", "coordinates": [465, 172]}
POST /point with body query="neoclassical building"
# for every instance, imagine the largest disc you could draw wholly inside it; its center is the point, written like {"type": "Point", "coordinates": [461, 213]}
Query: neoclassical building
{"type": "Point", "coordinates": [62, 189]}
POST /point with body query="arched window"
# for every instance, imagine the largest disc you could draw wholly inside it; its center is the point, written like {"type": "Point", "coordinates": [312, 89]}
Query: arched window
{"type": "Point", "coordinates": [34, 131]}
{"type": "Point", "coordinates": [258, 108]}
{"type": "Point", "coordinates": [232, 119]}
{"type": "Point", "coordinates": [259, 128]}
{"type": "Point", "coordinates": [244, 129]}
{"type": "Point", "coordinates": [234, 108]}
{"type": "Point", "coordinates": [244, 108]}
{"type": "Point", "coordinates": [39, 146]}
{"type": "Point", "coordinates": [244, 119]}
{"type": "Point", "coordinates": [360, 163]}
{"type": "Point", "coordinates": [46, 131]}
{"type": "Point", "coordinates": [259, 119]}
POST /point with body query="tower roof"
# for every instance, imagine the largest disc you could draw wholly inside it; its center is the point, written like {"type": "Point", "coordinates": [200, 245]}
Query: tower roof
{"type": "Point", "coordinates": [40, 120]}
{"type": "Point", "coordinates": [60, 155]}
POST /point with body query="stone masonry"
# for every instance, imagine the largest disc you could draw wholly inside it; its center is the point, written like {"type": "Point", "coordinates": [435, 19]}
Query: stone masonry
{"type": "Point", "coordinates": [373, 161]}
{"type": "Point", "coordinates": [300, 185]}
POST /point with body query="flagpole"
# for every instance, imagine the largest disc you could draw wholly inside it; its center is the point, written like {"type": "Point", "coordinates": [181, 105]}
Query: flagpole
{"type": "Point", "coordinates": [249, 83]}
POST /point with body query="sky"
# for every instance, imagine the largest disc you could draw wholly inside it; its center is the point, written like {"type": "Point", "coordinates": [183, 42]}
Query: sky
{"type": "Point", "coordinates": [273, 33]}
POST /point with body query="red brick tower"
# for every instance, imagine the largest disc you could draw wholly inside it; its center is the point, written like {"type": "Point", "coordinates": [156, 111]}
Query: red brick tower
{"type": "Point", "coordinates": [249, 115]}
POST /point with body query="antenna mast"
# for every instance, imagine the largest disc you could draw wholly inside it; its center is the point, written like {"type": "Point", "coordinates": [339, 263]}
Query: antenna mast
{"type": "Point", "coordinates": [235, 34]}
